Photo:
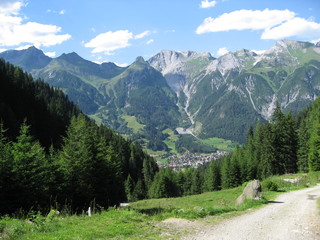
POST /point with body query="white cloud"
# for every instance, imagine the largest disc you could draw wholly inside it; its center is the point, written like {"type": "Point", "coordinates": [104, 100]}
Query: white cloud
{"type": "Point", "coordinates": [150, 41]}
{"type": "Point", "coordinates": [23, 47]}
{"type": "Point", "coordinates": [315, 41]}
{"type": "Point", "coordinates": [222, 51]}
{"type": "Point", "coordinates": [61, 12]}
{"type": "Point", "coordinates": [142, 35]}
{"type": "Point", "coordinates": [122, 64]}
{"type": "Point", "coordinates": [50, 54]}
{"type": "Point", "coordinates": [259, 52]}
{"type": "Point", "coordinates": [207, 4]}
{"type": "Point", "coordinates": [295, 27]}
{"type": "Point", "coordinates": [276, 24]}
{"type": "Point", "coordinates": [110, 41]}
{"type": "Point", "coordinates": [3, 50]}
{"type": "Point", "coordinates": [14, 31]}
{"type": "Point", "coordinates": [245, 19]}
{"type": "Point", "coordinates": [10, 7]}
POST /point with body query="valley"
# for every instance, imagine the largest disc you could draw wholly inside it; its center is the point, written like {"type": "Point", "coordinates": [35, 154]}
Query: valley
{"type": "Point", "coordinates": [173, 94]}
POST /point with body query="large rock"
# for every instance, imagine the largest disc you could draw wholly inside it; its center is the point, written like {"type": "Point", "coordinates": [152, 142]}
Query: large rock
{"type": "Point", "coordinates": [251, 191]}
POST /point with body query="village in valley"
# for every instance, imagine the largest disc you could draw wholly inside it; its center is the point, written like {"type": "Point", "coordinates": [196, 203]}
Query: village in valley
{"type": "Point", "coordinates": [188, 159]}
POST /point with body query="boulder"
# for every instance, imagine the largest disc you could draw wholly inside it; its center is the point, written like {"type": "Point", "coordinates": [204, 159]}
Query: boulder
{"type": "Point", "coordinates": [251, 191]}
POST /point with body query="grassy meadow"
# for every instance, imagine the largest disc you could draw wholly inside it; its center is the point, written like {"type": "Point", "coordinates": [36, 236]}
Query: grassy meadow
{"type": "Point", "coordinates": [142, 219]}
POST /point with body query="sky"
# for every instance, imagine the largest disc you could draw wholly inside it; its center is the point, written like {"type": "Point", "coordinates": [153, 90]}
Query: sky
{"type": "Point", "coordinates": [120, 30]}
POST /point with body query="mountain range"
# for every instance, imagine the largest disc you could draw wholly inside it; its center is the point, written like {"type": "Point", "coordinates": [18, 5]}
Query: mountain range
{"type": "Point", "coordinates": [158, 101]}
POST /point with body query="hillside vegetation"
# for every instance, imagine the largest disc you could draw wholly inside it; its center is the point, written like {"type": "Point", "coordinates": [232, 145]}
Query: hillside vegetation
{"type": "Point", "coordinates": [52, 154]}
{"type": "Point", "coordinates": [144, 219]}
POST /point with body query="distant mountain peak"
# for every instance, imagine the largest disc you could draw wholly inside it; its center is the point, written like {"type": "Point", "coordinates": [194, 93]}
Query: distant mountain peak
{"type": "Point", "coordinates": [71, 57]}
{"type": "Point", "coordinates": [139, 59]}
{"type": "Point", "coordinates": [28, 59]}
{"type": "Point", "coordinates": [33, 48]}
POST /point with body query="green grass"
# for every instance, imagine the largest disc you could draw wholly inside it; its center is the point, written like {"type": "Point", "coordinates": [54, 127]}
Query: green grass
{"type": "Point", "coordinates": [133, 123]}
{"type": "Point", "coordinates": [306, 180]}
{"type": "Point", "coordinates": [141, 220]}
{"type": "Point", "coordinates": [171, 140]}
{"type": "Point", "coordinates": [195, 206]}
{"type": "Point", "coordinates": [221, 144]}
{"type": "Point", "coordinates": [304, 57]}
{"type": "Point", "coordinates": [114, 224]}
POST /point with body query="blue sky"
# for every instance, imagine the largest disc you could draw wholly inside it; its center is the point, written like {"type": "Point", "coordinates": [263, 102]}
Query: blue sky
{"type": "Point", "coordinates": [120, 30]}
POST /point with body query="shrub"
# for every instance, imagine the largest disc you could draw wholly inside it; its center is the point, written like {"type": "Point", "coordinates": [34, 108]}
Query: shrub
{"type": "Point", "coordinates": [270, 186]}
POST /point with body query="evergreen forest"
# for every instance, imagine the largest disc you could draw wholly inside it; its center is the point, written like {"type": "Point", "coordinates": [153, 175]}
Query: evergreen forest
{"type": "Point", "coordinates": [53, 155]}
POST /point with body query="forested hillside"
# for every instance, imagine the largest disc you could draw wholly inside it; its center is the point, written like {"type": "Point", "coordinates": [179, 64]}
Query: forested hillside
{"type": "Point", "coordinates": [52, 154]}
{"type": "Point", "coordinates": [286, 144]}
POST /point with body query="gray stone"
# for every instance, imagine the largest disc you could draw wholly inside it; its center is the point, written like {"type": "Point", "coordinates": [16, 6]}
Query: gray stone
{"type": "Point", "coordinates": [251, 191]}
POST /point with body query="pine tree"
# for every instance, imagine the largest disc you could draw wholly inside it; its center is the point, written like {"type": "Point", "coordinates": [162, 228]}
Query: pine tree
{"type": "Point", "coordinates": [285, 141]}
{"type": "Point", "coordinates": [129, 188]}
{"type": "Point", "coordinates": [314, 140]}
{"type": "Point", "coordinates": [7, 183]}
{"type": "Point", "coordinates": [303, 147]}
{"type": "Point", "coordinates": [314, 148]}
{"type": "Point", "coordinates": [29, 168]}
{"type": "Point", "coordinates": [212, 178]}
{"type": "Point", "coordinates": [250, 155]}
{"type": "Point", "coordinates": [268, 165]}
{"type": "Point", "coordinates": [149, 170]}
{"type": "Point", "coordinates": [107, 177]}
{"type": "Point", "coordinates": [196, 186]}
{"type": "Point", "coordinates": [76, 159]}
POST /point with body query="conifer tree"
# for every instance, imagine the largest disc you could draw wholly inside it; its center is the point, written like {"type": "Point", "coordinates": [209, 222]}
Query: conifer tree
{"type": "Point", "coordinates": [29, 170]}
{"type": "Point", "coordinates": [314, 148]}
{"type": "Point", "coordinates": [212, 178]}
{"type": "Point", "coordinates": [7, 183]}
{"type": "Point", "coordinates": [303, 147]}
{"type": "Point", "coordinates": [76, 159]}
{"type": "Point", "coordinates": [196, 186]}
{"type": "Point", "coordinates": [129, 188]}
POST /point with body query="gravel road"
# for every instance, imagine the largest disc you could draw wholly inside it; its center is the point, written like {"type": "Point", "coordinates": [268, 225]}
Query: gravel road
{"type": "Point", "coordinates": [292, 216]}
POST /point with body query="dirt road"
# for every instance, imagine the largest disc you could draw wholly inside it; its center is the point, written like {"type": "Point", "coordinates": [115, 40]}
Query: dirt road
{"type": "Point", "coordinates": [292, 216]}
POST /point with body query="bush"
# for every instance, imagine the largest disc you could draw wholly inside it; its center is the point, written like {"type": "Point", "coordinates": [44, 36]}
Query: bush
{"type": "Point", "coordinates": [270, 186]}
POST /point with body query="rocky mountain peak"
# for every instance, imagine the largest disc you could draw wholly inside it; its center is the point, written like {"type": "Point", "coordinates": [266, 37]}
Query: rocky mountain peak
{"type": "Point", "coordinates": [283, 46]}
{"type": "Point", "coordinates": [167, 61]}
{"type": "Point", "coordinates": [225, 63]}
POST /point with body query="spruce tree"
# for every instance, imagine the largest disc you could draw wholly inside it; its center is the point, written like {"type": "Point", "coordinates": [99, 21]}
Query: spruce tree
{"type": "Point", "coordinates": [29, 169]}
{"type": "Point", "coordinates": [76, 159]}
{"type": "Point", "coordinates": [303, 147]}
{"type": "Point", "coordinates": [314, 148]}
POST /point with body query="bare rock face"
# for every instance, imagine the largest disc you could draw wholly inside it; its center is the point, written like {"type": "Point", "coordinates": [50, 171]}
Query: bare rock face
{"type": "Point", "coordinates": [251, 191]}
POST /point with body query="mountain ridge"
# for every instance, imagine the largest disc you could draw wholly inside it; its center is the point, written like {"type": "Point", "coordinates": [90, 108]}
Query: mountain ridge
{"type": "Point", "coordinates": [206, 95]}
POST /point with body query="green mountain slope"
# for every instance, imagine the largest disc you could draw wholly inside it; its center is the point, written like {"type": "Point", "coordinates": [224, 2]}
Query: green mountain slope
{"type": "Point", "coordinates": [223, 97]}
{"type": "Point", "coordinates": [210, 97]}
